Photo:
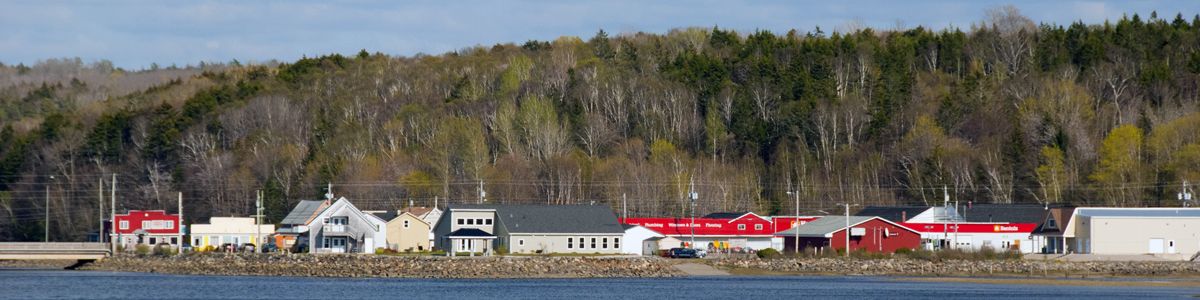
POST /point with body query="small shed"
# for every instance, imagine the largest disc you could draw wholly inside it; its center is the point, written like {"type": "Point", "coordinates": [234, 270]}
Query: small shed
{"type": "Point", "coordinates": [652, 246]}
{"type": "Point", "coordinates": [634, 236]}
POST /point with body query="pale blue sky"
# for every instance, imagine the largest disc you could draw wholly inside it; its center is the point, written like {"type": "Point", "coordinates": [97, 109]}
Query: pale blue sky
{"type": "Point", "coordinates": [134, 34]}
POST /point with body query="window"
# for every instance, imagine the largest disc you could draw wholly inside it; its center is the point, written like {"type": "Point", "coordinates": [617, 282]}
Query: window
{"type": "Point", "coordinates": [124, 224]}
{"type": "Point", "coordinates": [470, 221]}
{"type": "Point", "coordinates": [174, 241]}
{"type": "Point", "coordinates": [617, 243]}
{"type": "Point", "coordinates": [593, 243]}
{"type": "Point", "coordinates": [757, 226]}
{"type": "Point", "coordinates": [1050, 223]}
{"type": "Point", "coordinates": [405, 223]}
{"type": "Point", "coordinates": [196, 242]}
{"type": "Point", "coordinates": [460, 221]}
{"type": "Point", "coordinates": [154, 241]}
{"type": "Point", "coordinates": [339, 220]}
{"type": "Point", "coordinates": [521, 242]}
{"type": "Point", "coordinates": [489, 221]}
{"type": "Point", "coordinates": [604, 243]}
{"type": "Point", "coordinates": [170, 225]}
{"type": "Point", "coordinates": [569, 242]}
{"type": "Point", "coordinates": [741, 226]}
{"type": "Point", "coordinates": [478, 221]}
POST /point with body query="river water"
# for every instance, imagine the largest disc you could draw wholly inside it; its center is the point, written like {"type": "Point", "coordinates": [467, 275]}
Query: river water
{"type": "Point", "coordinates": [56, 284]}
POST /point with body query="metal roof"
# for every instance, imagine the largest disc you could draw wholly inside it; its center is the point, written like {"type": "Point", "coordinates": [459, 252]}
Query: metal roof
{"type": "Point", "coordinates": [824, 226]}
{"type": "Point", "coordinates": [304, 211]}
{"type": "Point", "coordinates": [1140, 212]}
{"type": "Point", "coordinates": [553, 218]}
{"type": "Point", "coordinates": [1013, 213]}
{"type": "Point", "coordinates": [469, 232]}
{"type": "Point", "coordinates": [892, 213]}
{"type": "Point", "coordinates": [386, 215]}
{"type": "Point", "coordinates": [725, 215]}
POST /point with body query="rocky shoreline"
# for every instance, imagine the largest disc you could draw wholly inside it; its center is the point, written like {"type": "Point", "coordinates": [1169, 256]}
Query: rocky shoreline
{"type": "Point", "coordinates": [390, 266]}
{"type": "Point", "coordinates": [917, 267]}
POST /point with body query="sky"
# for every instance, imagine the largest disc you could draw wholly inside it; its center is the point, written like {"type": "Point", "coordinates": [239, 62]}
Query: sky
{"type": "Point", "coordinates": [134, 34]}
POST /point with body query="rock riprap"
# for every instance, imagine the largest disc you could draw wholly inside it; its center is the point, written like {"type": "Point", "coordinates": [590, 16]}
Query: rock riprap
{"type": "Point", "coordinates": [390, 266]}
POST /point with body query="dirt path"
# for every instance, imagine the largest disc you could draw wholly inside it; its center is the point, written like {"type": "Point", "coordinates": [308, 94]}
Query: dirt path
{"type": "Point", "coordinates": [695, 269]}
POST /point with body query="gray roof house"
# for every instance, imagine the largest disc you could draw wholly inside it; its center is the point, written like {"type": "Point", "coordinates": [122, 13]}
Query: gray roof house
{"type": "Point", "coordinates": [529, 229]}
{"type": "Point", "coordinates": [343, 228]}
{"type": "Point", "coordinates": [293, 230]}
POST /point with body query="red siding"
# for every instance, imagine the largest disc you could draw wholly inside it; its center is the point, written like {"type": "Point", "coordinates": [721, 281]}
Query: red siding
{"type": "Point", "coordinates": [874, 240]}
{"type": "Point", "coordinates": [705, 226]}
{"type": "Point", "coordinates": [135, 218]}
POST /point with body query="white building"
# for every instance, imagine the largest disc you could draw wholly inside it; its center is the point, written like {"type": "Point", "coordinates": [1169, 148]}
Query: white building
{"type": "Point", "coordinates": [229, 230]}
{"type": "Point", "coordinates": [1167, 232]}
{"type": "Point", "coordinates": [634, 236]}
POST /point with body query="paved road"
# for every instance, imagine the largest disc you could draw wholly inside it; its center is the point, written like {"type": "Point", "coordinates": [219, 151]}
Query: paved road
{"type": "Point", "coordinates": [695, 269]}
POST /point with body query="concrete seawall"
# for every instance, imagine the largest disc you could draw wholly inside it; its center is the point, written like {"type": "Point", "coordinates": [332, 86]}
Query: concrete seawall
{"type": "Point", "coordinates": [916, 267]}
{"type": "Point", "coordinates": [391, 266]}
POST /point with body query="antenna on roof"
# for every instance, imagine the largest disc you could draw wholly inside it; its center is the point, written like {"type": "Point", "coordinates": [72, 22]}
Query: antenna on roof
{"type": "Point", "coordinates": [329, 191]}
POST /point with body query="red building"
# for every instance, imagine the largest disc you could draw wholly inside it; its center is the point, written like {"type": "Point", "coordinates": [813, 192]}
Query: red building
{"type": "Point", "coordinates": [977, 235]}
{"type": "Point", "coordinates": [714, 231]}
{"type": "Point", "coordinates": [150, 227]}
{"type": "Point", "coordinates": [872, 234]}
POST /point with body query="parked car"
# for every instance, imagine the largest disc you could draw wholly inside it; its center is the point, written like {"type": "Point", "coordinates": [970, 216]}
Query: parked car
{"type": "Point", "coordinates": [269, 247]}
{"type": "Point", "coordinates": [683, 253]}
{"type": "Point", "coordinates": [701, 253]}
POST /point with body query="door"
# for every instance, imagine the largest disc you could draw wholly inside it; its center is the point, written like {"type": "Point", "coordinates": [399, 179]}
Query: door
{"type": "Point", "coordinates": [1171, 247]}
{"type": "Point", "coordinates": [1156, 246]}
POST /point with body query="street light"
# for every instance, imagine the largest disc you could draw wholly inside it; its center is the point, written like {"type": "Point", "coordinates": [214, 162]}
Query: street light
{"type": "Point", "coordinates": [46, 226]}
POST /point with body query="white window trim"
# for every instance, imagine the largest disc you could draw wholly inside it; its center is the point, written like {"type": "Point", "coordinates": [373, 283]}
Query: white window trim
{"type": "Point", "coordinates": [124, 224]}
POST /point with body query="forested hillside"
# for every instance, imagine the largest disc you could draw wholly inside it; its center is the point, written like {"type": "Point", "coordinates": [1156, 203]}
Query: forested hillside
{"type": "Point", "coordinates": [1006, 111]}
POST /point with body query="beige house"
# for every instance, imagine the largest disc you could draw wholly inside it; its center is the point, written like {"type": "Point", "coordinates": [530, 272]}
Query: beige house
{"type": "Point", "coordinates": [1165, 232]}
{"type": "Point", "coordinates": [406, 232]}
{"type": "Point", "coordinates": [229, 230]}
{"type": "Point", "coordinates": [533, 229]}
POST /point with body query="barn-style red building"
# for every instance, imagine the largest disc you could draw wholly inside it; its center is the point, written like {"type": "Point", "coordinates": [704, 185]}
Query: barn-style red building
{"type": "Point", "coordinates": [150, 227]}
{"type": "Point", "coordinates": [716, 231]}
{"type": "Point", "coordinates": [871, 234]}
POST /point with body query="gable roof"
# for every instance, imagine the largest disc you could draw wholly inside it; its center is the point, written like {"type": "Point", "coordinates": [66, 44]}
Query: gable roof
{"type": "Point", "coordinates": [353, 210]}
{"type": "Point", "coordinates": [826, 226]}
{"type": "Point", "coordinates": [553, 218]}
{"type": "Point", "coordinates": [469, 232]}
{"type": "Point", "coordinates": [304, 212]}
{"type": "Point", "coordinates": [1139, 212]}
{"type": "Point", "coordinates": [1012, 213]}
{"type": "Point", "coordinates": [725, 215]}
{"type": "Point", "coordinates": [387, 215]}
{"type": "Point", "coordinates": [892, 213]}
{"type": "Point", "coordinates": [418, 211]}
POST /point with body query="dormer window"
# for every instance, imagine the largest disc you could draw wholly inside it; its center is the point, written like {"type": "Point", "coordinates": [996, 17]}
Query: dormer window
{"type": "Point", "coordinates": [1051, 224]}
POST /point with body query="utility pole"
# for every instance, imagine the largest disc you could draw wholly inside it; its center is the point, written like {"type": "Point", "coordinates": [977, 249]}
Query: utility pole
{"type": "Point", "coordinates": [112, 217]}
{"type": "Point", "coordinates": [693, 195]}
{"type": "Point", "coordinates": [258, 204]}
{"type": "Point", "coordinates": [796, 222]}
{"type": "Point", "coordinates": [47, 225]}
{"type": "Point", "coordinates": [179, 227]}
{"type": "Point", "coordinates": [624, 208]}
{"type": "Point", "coordinates": [1185, 194]}
{"type": "Point", "coordinates": [481, 192]}
{"type": "Point", "coordinates": [847, 205]}
{"type": "Point", "coordinates": [100, 213]}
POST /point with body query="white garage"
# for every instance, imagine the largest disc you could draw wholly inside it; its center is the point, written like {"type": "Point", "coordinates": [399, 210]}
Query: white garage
{"type": "Point", "coordinates": [1168, 232]}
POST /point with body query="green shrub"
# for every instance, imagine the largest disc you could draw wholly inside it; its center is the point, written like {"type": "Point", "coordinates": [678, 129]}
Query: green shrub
{"type": "Point", "coordinates": [502, 250]}
{"type": "Point", "coordinates": [163, 250]}
{"type": "Point", "coordinates": [903, 251]}
{"type": "Point", "coordinates": [768, 253]}
{"type": "Point", "coordinates": [141, 249]}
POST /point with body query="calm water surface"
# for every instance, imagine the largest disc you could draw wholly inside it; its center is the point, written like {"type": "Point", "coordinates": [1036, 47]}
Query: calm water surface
{"type": "Point", "coordinates": [41, 284]}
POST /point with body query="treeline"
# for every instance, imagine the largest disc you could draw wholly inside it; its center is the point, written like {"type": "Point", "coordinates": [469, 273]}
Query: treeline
{"type": "Point", "coordinates": [1007, 111]}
